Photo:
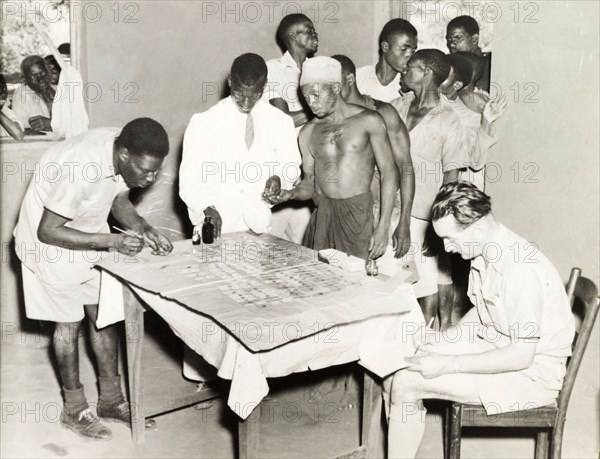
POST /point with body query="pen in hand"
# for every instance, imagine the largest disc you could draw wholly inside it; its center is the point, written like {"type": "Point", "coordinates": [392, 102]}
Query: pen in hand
{"type": "Point", "coordinates": [429, 325]}
{"type": "Point", "coordinates": [130, 233]}
{"type": "Point", "coordinates": [139, 236]}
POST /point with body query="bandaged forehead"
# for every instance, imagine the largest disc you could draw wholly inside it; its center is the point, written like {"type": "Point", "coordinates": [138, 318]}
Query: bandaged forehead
{"type": "Point", "coordinates": [321, 69]}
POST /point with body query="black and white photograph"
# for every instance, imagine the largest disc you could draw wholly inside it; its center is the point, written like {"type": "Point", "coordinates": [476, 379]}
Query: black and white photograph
{"type": "Point", "coordinates": [300, 229]}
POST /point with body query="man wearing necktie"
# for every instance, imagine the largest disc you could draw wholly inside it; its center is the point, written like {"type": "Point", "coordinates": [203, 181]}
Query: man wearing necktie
{"type": "Point", "coordinates": [232, 149]}
{"type": "Point", "coordinates": [229, 153]}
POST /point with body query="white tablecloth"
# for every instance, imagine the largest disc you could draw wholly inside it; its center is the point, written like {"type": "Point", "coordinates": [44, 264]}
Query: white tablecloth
{"type": "Point", "coordinates": [248, 370]}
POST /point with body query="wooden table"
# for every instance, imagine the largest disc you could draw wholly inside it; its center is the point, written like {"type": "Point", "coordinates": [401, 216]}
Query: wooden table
{"type": "Point", "coordinates": [133, 276]}
{"type": "Point", "coordinates": [248, 433]}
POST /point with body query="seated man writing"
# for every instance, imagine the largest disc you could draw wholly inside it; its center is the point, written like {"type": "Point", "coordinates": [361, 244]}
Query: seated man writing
{"type": "Point", "coordinates": [340, 148]}
{"type": "Point", "coordinates": [512, 346]}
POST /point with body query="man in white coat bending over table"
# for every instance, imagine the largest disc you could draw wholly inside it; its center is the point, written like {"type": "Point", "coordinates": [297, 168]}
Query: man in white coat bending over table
{"type": "Point", "coordinates": [229, 153]}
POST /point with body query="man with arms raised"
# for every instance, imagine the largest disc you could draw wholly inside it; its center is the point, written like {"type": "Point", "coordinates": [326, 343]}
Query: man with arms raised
{"type": "Point", "coordinates": [398, 42]}
{"type": "Point", "coordinates": [400, 143]}
{"type": "Point", "coordinates": [477, 112]}
{"type": "Point", "coordinates": [340, 148]}
{"type": "Point", "coordinates": [62, 230]}
{"type": "Point", "coordinates": [512, 346]}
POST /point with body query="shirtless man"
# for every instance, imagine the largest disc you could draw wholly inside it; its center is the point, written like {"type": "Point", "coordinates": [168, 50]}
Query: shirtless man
{"type": "Point", "coordinates": [340, 148]}
{"type": "Point", "coordinates": [400, 143]}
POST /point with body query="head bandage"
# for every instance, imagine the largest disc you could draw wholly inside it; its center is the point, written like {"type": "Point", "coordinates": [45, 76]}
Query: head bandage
{"type": "Point", "coordinates": [321, 69]}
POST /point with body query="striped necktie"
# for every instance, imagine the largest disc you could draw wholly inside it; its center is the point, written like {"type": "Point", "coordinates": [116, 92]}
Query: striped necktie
{"type": "Point", "coordinates": [249, 135]}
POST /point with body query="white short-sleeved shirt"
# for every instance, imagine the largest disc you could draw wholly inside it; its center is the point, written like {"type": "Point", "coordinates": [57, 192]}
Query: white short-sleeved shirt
{"type": "Point", "coordinates": [282, 81]}
{"type": "Point", "coordinates": [218, 169]}
{"type": "Point", "coordinates": [75, 179]}
{"type": "Point", "coordinates": [437, 145]}
{"type": "Point", "coordinates": [368, 84]}
{"type": "Point", "coordinates": [479, 142]}
{"type": "Point", "coordinates": [520, 296]}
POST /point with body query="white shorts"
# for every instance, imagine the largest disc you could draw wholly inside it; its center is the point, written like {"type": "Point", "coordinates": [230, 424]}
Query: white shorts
{"type": "Point", "coordinates": [61, 300]}
{"type": "Point", "coordinates": [532, 387]}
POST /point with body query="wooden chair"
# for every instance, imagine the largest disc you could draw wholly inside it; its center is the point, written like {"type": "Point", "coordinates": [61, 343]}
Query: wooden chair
{"type": "Point", "coordinates": [548, 420]}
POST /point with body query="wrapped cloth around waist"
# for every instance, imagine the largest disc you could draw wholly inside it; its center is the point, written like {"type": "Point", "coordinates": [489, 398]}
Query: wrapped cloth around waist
{"type": "Point", "coordinates": [343, 224]}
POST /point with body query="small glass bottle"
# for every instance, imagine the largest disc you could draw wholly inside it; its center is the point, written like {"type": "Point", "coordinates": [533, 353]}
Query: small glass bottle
{"type": "Point", "coordinates": [371, 267]}
{"type": "Point", "coordinates": [196, 237]}
{"type": "Point", "coordinates": [208, 231]}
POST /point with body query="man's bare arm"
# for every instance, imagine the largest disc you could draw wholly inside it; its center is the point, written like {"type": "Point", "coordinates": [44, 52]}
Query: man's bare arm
{"type": "Point", "coordinates": [389, 180]}
{"type": "Point", "coordinates": [300, 117]}
{"type": "Point", "coordinates": [306, 188]}
{"type": "Point", "coordinates": [518, 355]}
{"type": "Point", "coordinates": [12, 127]}
{"type": "Point", "coordinates": [450, 176]}
{"type": "Point", "coordinates": [400, 143]}
{"type": "Point", "coordinates": [52, 230]}
{"type": "Point", "coordinates": [125, 213]}
{"type": "Point", "coordinates": [493, 109]}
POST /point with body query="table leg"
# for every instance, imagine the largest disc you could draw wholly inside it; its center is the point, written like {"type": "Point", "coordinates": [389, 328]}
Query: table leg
{"type": "Point", "coordinates": [371, 415]}
{"type": "Point", "coordinates": [134, 336]}
{"type": "Point", "coordinates": [249, 435]}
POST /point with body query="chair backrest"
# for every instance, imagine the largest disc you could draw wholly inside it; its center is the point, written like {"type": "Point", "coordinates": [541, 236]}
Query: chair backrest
{"type": "Point", "coordinates": [584, 291]}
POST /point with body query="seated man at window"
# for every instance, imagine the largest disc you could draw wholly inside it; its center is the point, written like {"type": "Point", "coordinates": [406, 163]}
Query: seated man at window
{"type": "Point", "coordinates": [32, 102]}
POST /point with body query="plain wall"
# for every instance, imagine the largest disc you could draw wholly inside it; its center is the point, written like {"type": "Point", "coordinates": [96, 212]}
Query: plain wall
{"type": "Point", "coordinates": [545, 178]}
{"type": "Point", "coordinates": [173, 62]}
{"type": "Point", "coordinates": [547, 156]}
